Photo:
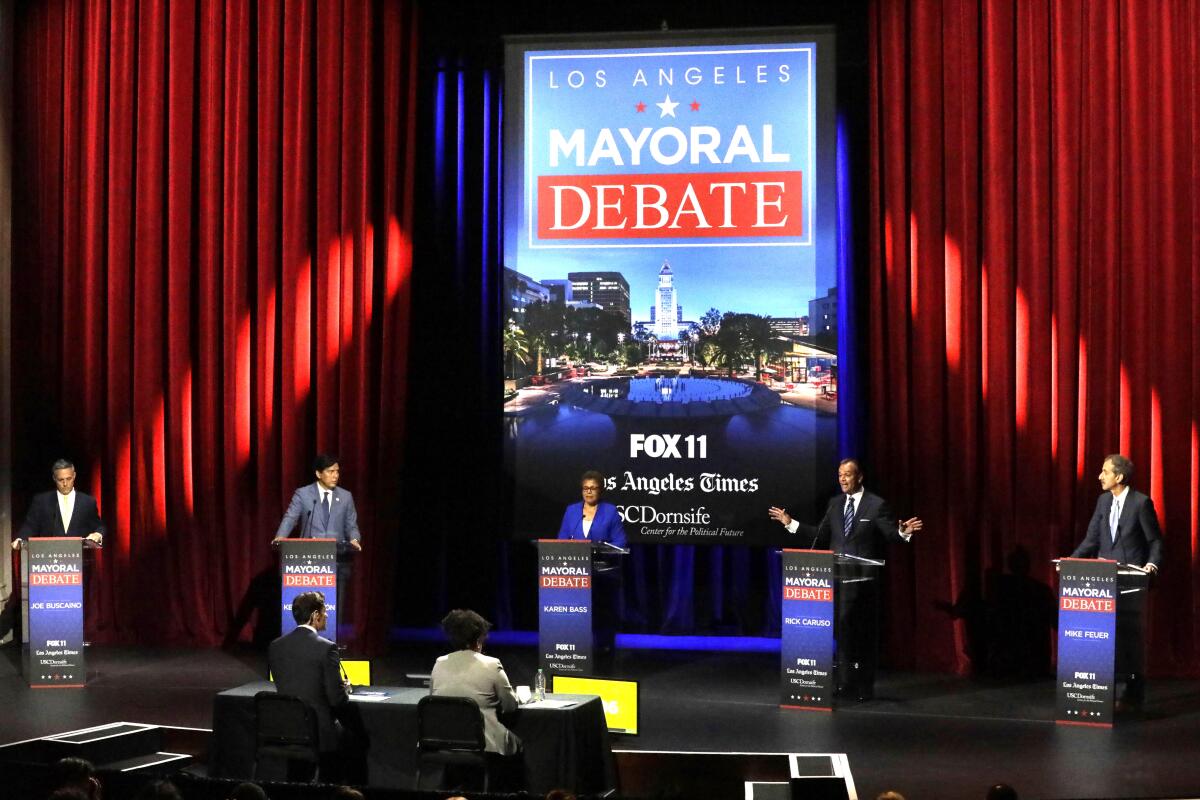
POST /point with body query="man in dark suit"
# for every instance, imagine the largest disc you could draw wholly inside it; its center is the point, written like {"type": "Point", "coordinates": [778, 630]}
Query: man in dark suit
{"type": "Point", "coordinates": [64, 512]}
{"type": "Point", "coordinates": [856, 523]}
{"type": "Point", "coordinates": [305, 664]}
{"type": "Point", "coordinates": [1124, 528]}
{"type": "Point", "coordinates": [326, 510]}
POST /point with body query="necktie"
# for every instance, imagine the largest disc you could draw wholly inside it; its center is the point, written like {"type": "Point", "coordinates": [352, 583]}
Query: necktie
{"type": "Point", "coordinates": [325, 503]}
{"type": "Point", "coordinates": [848, 519]}
{"type": "Point", "coordinates": [1114, 518]}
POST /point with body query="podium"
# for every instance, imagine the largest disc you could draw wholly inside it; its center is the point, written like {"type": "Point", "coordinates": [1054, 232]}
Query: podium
{"type": "Point", "coordinates": [308, 565]}
{"type": "Point", "coordinates": [830, 620]}
{"type": "Point", "coordinates": [1101, 607]}
{"type": "Point", "coordinates": [52, 577]}
{"type": "Point", "coordinates": [567, 570]}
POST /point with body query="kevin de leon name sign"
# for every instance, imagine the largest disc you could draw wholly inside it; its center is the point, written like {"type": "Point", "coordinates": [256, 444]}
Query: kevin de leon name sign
{"type": "Point", "coordinates": [308, 565]}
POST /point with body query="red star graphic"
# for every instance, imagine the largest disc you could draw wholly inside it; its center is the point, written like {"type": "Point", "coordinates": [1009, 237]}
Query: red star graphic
{"type": "Point", "coordinates": [640, 107]}
{"type": "Point", "coordinates": [695, 106]}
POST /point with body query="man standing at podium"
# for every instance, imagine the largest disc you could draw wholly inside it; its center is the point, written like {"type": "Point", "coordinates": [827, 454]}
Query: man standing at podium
{"type": "Point", "coordinates": [65, 512]}
{"type": "Point", "coordinates": [1124, 528]}
{"type": "Point", "coordinates": [856, 523]}
{"type": "Point", "coordinates": [325, 510]}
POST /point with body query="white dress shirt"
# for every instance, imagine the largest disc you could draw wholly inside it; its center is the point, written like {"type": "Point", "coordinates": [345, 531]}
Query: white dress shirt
{"type": "Point", "coordinates": [66, 507]}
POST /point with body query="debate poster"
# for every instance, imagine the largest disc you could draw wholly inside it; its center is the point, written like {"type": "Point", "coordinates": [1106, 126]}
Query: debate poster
{"type": "Point", "coordinates": [669, 295]}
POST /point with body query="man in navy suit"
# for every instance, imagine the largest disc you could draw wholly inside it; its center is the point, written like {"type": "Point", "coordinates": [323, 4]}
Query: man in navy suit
{"type": "Point", "coordinates": [1124, 528]}
{"type": "Point", "coordinates": [325, 510]}
{"type": "Point", "coordinates": [65, 512]}
{"type": "Point", "coordinates": [856, 523]}
{"type": "Point", "coordinates": [305, 664]}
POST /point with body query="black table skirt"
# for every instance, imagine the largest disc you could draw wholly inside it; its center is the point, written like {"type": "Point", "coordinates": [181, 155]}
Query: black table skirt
{"type": "Point", "coordinates": [565, 748]}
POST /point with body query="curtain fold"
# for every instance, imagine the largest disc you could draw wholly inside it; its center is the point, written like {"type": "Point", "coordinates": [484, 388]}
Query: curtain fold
{"type": "Point", "coordinates": [1035, 298]}
{"type": "Point", "coordinates": [214, 247]}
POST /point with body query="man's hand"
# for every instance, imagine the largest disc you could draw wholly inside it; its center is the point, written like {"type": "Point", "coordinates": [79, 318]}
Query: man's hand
{"type": "Point", "coordinates": [356, 545]}
{"type": "Point", "coordinates": [95, 537]}
{"type": "Point", "coordinates": [16, 544]}
{"type": "Point", "coordinates": [780, 515]}
{"type": "Point", "coordinates": [910, 526]}
{"type": "Point", "coordinates": [1151, 568]}
{"type": "Point", "coordinates": [275, 542]}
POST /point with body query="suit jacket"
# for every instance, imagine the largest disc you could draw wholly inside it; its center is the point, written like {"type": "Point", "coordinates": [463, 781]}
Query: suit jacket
{"type": "Point", "coordinates": [606, 525]}
{"type": "Point", "coordinates": [873, 528]}
{"type": "Point", "coordinates": [465, 673]}
{"type": "Point", "coordinates": [308, 666]}
{"type": "Point", "coordinates": [44, 519]}
{"type": "Point", "coordinates": [1139, 539]}
{"type": "Point", "coordinates": [305, 509]}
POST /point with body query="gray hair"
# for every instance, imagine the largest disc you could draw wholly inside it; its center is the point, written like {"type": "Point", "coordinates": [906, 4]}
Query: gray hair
{"type": "Point", "coordinates": [62, 463]}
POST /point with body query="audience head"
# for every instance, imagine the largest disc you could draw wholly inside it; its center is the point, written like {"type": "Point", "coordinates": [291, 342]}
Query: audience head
{"type": "Point", "coordinates": [158, 790]}
{"type": "Point", "coordinates": [68, 793]}
{"type": "Point", "coordinates": [248, 791]}
{"type": "Point", "coordinates": [76, 773]}
{"type": "Point", "coordinates": [465, 629]}
{"type": "Point", "coordinates": [347, 793]}
{"type": "Point", "coordinates": [559, 794]}
{"type": "Point", "coordinates": [1002, 791]}
{"type": "Point", "coordinates": [307, 604]}
{"type": "Point", "coordinates": [890, 795]}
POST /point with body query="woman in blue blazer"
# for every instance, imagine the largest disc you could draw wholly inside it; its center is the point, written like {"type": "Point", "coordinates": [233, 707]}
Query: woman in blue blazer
{"type": "Point", "coordinates": [599, 522]}
{"type": "Point", "coordinates": [590, 518]}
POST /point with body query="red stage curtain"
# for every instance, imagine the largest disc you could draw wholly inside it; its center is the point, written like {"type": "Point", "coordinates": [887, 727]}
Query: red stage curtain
{"type": "Point", "coordinates": [212, 259]}
{"type": "Point", "coordinates": [1034, 292]}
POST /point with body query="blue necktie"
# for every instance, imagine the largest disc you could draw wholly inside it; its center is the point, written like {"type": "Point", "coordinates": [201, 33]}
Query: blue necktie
{"type": "Point", "coordinates": [325, 504]}
{"type": "Point", "coordinates": [848, 519]}
{"type": "Point", "coordinates": [1114, 519]}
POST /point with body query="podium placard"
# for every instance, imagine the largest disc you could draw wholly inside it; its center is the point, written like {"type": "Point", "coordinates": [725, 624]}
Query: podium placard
{"type": "Point", "coordinates": [308, 565]}
{"type": "Point", "coordinates": [565, 606]}
{"type": "Point", "coordinates": [54, 575]}
{"type": "Point", "coordinates": [806, 643]}
{"type": "Point", "coordinates": [1087, 640]}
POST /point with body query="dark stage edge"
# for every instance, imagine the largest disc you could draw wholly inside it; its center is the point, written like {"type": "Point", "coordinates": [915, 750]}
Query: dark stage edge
{"type": "Point", "coordinates": [927, 736]}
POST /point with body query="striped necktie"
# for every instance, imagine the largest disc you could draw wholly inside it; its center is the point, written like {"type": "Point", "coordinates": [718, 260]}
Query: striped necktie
{"type": "Point", "coordinates": [848, 518]}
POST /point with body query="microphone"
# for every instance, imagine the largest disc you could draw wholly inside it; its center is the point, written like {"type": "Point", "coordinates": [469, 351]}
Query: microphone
{"type": "Point", "coordinates": [305, 534]}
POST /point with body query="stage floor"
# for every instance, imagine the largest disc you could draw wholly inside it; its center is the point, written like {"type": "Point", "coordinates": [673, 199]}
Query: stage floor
{"type": "Point", "coordinates": [927, 736]}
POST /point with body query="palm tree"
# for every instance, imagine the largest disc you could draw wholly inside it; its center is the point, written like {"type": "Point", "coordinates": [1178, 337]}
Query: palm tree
{"type": "Point", "coordinates": [516, 347]}
{"type": "Point", "coordinates": [759, 339]}
{"type": "Point", "coordinates": [731, 347]}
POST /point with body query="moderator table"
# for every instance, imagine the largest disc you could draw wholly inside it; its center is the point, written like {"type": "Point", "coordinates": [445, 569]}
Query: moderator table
{"type": "Point", "coordinates": [565, 748]}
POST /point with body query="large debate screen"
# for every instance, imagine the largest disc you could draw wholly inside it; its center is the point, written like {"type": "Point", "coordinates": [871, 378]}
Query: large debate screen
{"type": "Point", "coordinates": [670, 295]}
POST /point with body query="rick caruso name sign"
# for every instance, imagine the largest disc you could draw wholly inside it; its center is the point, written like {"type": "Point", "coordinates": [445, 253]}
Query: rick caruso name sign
{"type": "Point", "coordinates": [806, 647]}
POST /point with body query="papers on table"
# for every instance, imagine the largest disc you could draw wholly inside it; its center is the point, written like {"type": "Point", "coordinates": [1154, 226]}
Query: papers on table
{"type": "Point", "coordinates": [549, 703]}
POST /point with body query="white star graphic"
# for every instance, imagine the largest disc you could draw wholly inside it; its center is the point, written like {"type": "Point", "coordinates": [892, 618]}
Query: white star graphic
{"type": "Point", "coordinates": [667, 106]}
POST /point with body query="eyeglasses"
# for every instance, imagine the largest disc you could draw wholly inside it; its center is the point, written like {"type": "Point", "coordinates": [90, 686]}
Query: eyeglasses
{"type": "Point", "coordinates": [591, 488]}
